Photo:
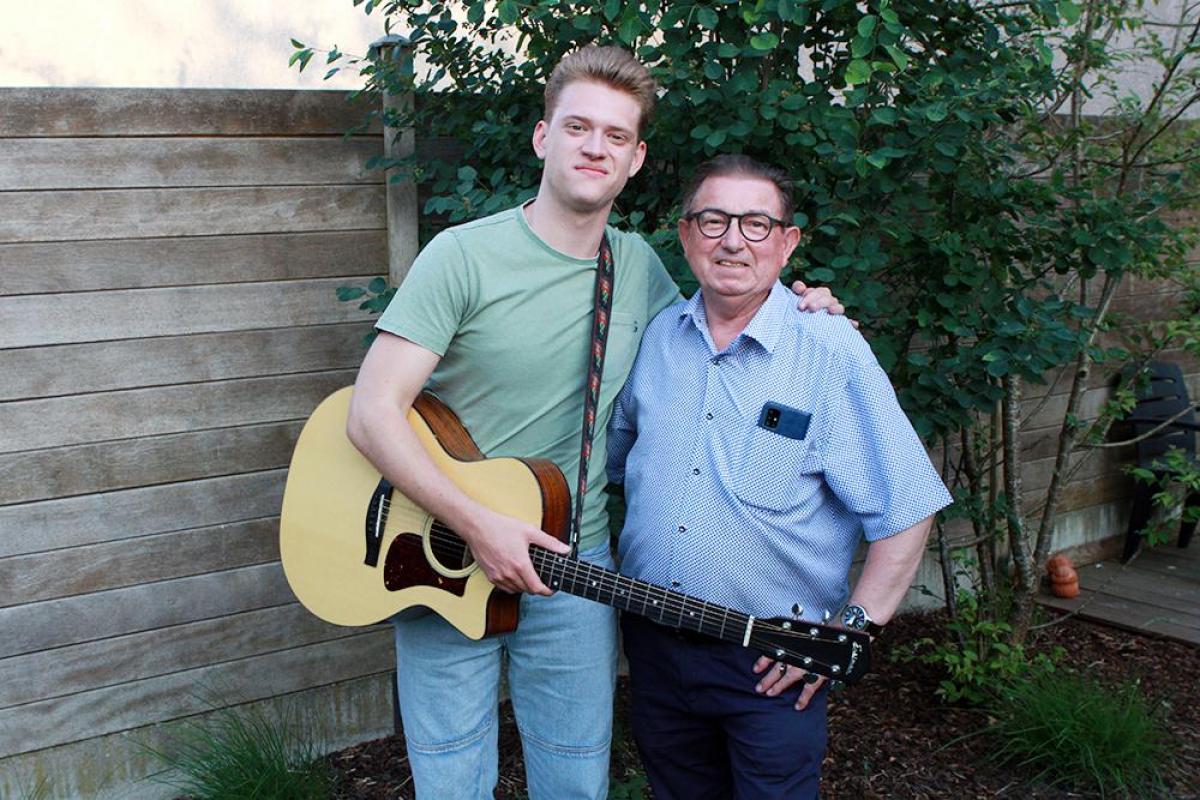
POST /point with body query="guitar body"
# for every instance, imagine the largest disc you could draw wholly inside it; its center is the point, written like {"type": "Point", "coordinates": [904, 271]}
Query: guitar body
{"type": "Point", "coordinates": [335, 503]}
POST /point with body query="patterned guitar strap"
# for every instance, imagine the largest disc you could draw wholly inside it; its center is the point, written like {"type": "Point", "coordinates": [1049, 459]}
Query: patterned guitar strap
{"type": "Point", "coordinates": [602, 304]}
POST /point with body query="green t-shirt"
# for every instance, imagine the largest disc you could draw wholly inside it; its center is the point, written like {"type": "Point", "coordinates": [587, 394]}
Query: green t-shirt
{"type": "Point", "coordinates": [511, 318]}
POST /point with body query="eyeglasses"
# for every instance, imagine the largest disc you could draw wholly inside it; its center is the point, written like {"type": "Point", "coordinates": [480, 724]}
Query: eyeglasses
{"type": "Point", "coordinates": [713, 223]}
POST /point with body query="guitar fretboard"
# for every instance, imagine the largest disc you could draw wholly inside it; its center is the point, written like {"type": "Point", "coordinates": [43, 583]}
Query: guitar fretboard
{"type": "Point", "coordinates": [664, 606]}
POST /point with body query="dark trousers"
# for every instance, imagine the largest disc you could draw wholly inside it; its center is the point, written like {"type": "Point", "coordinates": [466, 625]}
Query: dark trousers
{"type": "Point", "coordinates": [702, 730]}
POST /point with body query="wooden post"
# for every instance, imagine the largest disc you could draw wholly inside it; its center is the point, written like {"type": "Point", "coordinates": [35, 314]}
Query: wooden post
{"type": "Point", "coordinates": [398, 143]}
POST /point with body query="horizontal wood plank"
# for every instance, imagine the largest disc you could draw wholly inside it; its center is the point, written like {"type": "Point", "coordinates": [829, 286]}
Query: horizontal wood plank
{"type": "Point", "coordinates": [59, 472]}
{"type": "Point", "coordinates": [167, 112]}
{"type": "Point", "coordinates": [49, 624]}
{"type": "Point", "coordinates": [121, 659]}
{"type": "Point", "coordinates": [60, 267]}
{"type": "Point", "coordinates": [1132, 615]}
{"type": "Point", "coordinates": [59, 216]}
{"type": "Point", "coordinates": [37, 320]}
{"type": "Point", "coordinates": [79, 419]}
{"type": "Point", "coordinates": [40, 372]}
{"type": "Point", "coordinates": [118, 766]}
{"type": "Point", "coordinates": [106, 163]}
{"type": "Point", "coordinates": [128, 562]}
{"type": "Point", "coordinates": [48, 723]}
{"type": "Point", "coordinates": [94, 518]}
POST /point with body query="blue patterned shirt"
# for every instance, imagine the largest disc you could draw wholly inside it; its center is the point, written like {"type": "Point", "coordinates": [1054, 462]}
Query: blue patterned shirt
{"type": "Point", "coordinates": [752, 474]}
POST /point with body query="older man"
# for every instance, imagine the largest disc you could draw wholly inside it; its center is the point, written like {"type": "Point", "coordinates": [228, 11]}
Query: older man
{"type": "Point", "coordinates": [757, 447]}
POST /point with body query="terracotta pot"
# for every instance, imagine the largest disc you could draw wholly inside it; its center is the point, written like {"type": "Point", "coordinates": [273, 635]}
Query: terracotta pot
{"type": "Point", "coordinates": [1064, 582]}
{"type": "Point", "coordinates": [1056, 561]}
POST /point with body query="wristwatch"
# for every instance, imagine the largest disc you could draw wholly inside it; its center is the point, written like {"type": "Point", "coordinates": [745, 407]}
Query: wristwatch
{"type": "Point", "coordinates": [856, 618]}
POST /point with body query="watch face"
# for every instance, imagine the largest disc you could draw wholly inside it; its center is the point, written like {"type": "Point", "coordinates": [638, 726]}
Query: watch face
{"type": "Point", "coordinates": [854, 617]}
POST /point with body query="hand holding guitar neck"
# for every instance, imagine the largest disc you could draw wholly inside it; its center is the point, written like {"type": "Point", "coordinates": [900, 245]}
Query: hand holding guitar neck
{"type": "Point", "coordinates": [500, 545]}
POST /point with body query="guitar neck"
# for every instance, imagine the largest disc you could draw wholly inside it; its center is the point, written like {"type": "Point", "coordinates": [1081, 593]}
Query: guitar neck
{"type": "Point", "coordinates": [666, 607]}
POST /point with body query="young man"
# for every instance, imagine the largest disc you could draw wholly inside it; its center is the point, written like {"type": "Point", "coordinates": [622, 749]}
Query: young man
{"type": "Point", "coordinates": [757, 446]}
{"type": "Point", "coordinates": [495, 318]}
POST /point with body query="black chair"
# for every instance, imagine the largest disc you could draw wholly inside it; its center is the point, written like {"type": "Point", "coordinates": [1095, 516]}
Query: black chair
{"type": "Point", "coordinates": [1164, 398]}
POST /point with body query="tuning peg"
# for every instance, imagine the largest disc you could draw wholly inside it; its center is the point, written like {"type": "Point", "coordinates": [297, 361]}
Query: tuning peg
{"type": "Point", "coordinates": [826, 616]}
{"type": "Point", "coordinates": [797, 610]}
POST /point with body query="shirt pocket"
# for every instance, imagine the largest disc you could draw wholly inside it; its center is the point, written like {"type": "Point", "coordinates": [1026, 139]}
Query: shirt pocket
{"type": "Point", "coordinates": [771, 469]}
{"type": "Point", "coordinates": [624, 333]}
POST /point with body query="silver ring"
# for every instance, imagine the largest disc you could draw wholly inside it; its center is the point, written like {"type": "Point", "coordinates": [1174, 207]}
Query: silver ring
{"type": "Point", "coordinates": [783, 669]}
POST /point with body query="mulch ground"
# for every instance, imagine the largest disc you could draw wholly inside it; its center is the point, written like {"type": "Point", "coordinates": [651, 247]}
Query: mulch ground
{"type": "Point", "coordinates": [889, 736]}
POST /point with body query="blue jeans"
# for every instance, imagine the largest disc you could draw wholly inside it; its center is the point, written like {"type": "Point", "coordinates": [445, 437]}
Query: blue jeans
{"type": "Point", "coordinates": [562, 664]}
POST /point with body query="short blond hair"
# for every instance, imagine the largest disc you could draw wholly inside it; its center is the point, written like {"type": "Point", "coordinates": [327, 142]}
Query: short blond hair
{"type": "Point", "coordinates": [611, 66]}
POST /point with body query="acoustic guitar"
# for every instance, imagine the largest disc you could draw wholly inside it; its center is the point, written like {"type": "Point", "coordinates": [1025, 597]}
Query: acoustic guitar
{"type": "Point", "coordinates": [356, 551]}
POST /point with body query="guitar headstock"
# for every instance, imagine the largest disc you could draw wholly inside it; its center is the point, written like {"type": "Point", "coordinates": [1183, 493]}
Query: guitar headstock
{"type": "Point", "coordinates": [836, 653]}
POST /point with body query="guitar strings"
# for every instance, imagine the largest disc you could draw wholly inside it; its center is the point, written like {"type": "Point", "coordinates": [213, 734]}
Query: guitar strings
{"type": "Point", "coordinates": [675, 602]}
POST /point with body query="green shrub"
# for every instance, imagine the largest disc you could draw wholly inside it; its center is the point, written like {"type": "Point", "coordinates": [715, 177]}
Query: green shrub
{"type": "Point", "coordinates": [979, 659]}
{"type": "Point", "coordinates": [1078, 733]}
{"type": "Point", "coordinates": [236, 754]}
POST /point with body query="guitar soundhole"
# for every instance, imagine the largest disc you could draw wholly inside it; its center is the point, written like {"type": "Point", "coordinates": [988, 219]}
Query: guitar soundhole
{"type": "Point", "coordinates": [449, 551]}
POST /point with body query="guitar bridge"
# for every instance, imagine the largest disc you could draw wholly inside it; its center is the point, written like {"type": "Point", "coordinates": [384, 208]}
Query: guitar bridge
{"type": "Point", "coordinates": [376, 521]}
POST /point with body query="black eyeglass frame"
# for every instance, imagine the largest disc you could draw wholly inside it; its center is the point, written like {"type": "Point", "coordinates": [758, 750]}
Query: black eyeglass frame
{"type": "Point", "coordinates": [772, 223]}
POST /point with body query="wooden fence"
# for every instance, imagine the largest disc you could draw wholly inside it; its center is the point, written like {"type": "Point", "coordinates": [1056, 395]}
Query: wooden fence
{"type": "Point", "coordinates": [168, 261]}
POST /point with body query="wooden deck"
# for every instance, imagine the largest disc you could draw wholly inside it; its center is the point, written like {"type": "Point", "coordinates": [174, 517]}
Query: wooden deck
{"type": "Point", "coordinates": [1157, 593]}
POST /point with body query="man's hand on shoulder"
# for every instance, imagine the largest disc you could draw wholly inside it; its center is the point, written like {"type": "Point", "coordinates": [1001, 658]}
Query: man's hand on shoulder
{"type": "Point", "coordinates": [815, 298]}
{"type": "Point", "coordinates": [500, 545]}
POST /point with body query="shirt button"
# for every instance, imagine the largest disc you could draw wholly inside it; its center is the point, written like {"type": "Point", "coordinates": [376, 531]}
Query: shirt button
{"type": "Point", "coordinates": [708, 416]}
{"type": "Point", "coordinates": [695, 470]}
{"type": "Point", "coordinates": [682, 528]}
{"type": "Point", "coordinates": [715, 360]}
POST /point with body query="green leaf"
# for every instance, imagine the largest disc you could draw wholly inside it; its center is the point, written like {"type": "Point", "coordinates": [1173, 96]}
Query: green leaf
{"type": "Point", "coordinates": [297, 45]}
{"type": "Point", "coordinates": [937, 112]}
{"type": "Point", "coordinates": [508, 11]}
{"type": "Point", "coordinates": [716, 138]}
{"type": "Point", "coordinates": [631, 26]}
{"type": "Point", "coordinates": [866, 25]}
{"type": "Point", "coordinates": [611, 9]}
{"type": "Point", "coordinates": [884, 115]}
{"type": "Point", "coordinates": [857, 72]}
{"type": "Point", "coordinates": [823, 274]}
{"type": "Point", "coordinates": [1069, 11]}
{"type": "Point", "coordinates": [794, 102]}
{"type": "Point", "coordinates": [877, 160]}
{"type": "Point", "coordinates": [898, 56]}
{"type": "Point", "coordinates": [1045, 53]}
{"type": "Point", "coordinates": [707, 17]}
{"type": "Point", "coordinates": [764, 42]}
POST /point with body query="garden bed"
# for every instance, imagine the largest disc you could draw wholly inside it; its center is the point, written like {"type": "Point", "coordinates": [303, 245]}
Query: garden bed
{"type": "Point", "coordinates": [889, 736]}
